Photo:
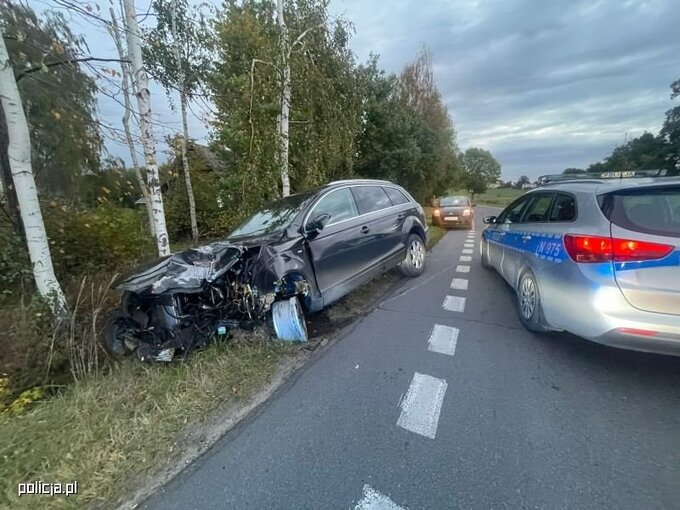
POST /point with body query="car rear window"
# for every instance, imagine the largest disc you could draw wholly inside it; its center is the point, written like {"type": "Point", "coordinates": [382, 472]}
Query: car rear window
{"type": "Point", "coordinates": [396, 196]}
{"type": "Point", "coordinates": [370, 198]}
{"type": "Point", "coordinates": [648, 210]}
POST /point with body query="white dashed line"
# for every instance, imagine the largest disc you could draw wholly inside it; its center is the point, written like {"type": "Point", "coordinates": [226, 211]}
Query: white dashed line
{"type": "Point", "coordinates": [422, 404]}
{"type": "Point", "coordinates": [469, 245]}
{"type": "Point", "coordinates": [468, 251]}
{"type": "Point", "coordinates": [462, 269]}
{"type": "Point", "coordinates": [373, 500]}
{"type": "Point", "coordinates": [459, 284]}
{"type": "Point", "coordinates": [454, 304]}
{"type": "Point", "coordinates": [465, 258]}
{"type": "Point", "coordinates": [443, 340]}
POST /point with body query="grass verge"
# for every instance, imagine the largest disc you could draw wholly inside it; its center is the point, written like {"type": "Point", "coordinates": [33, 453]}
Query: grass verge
{"type": "Point", "coordinates": [436, 233]}
{"type": "Point", "coordinates": [104, 431]}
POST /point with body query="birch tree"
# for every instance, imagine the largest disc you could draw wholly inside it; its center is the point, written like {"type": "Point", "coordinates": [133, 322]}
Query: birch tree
{"type": "Point", "coordinates": [141, 88]}
{"type": "Point", "coordinates": [283, 120]}
{"type": "Point", "coordinates": [178, 55]}
{"type": "Point", "coordinates": [126, 82]}
{"type": "Point", "coordinates": [19, 152]}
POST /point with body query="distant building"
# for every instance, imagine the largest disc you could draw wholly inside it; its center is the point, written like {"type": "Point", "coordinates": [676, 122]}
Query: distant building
{"type": "Point", "coordinates": [496, 184]}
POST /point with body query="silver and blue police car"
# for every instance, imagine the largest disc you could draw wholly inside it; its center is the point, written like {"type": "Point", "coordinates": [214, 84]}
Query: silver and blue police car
{"type": "Point", "coordinates": [599, 258]}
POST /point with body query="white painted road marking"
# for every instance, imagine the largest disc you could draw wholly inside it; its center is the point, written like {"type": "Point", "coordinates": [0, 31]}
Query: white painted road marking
{"type": "Point", "coordinates": [422, 404]}
{"type": "Point", "coordinates": [443, 340]}
{"type": "Point", "coordinates": [469, 245]}
{"type": "Point", "coordinates": [454, 304]}
{"type": "Point", "coordinates": [462, 269]}
{"type": "Point", "coordinates": [459, 284]}
{"type": "Point", "coordinates": [468, 250]}
{"type": "Point", "coordinates": [373, 500]}
{"type": "Point", "coordinates": [465, 258]}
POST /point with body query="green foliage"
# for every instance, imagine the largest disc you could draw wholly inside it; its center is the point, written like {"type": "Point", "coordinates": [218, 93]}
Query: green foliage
{"type": "Point", "coordinates": [87, 240]}
{"type": "Point", "coordinates": [325, 104]}
{"type": "Point", "coordinates": [670, 133]}
{"type": "Point", "coordinates": [481, 169]}
{"type": "Point", "coordinates": [213, 221]}
{"type": "Point", "coordinates": [58, 97]}
{"type": "Point", "coordinates": [194, 40]}
{"type": "Point", "coordinates": [15, 266]}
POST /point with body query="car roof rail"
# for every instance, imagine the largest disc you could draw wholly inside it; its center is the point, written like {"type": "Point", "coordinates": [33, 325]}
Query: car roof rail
{"type": "Point", "coordinates": [599, 177]}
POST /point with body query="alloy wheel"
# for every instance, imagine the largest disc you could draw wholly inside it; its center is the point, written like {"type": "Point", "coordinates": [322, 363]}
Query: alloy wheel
{"type": "Point", "coordinates": [417, 254]}
{"type": "Point", "coordinates": [527, 298]}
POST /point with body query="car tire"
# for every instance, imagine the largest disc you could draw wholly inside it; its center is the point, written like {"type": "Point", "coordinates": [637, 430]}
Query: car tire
{"type": "Point", "coordinates": [414, 263]}
{"type": "Point", "coordinates": [529, 305]}
{"type": "Point", "coordinates": [484, 259]}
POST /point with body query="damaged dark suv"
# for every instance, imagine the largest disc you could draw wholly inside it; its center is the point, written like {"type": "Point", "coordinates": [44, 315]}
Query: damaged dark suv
{"type": "Point", "coordinates": [295, 256]}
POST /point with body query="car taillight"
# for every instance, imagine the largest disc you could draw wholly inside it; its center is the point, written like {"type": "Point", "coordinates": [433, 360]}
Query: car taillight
{"type": "Point", "coordinates": [591, 249]}
{"type": "Point", "coordinates": [436, 212]}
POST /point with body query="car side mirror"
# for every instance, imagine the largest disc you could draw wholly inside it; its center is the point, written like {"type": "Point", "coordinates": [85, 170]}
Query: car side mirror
{"type": "Point", "coordinates": [489, 220]}
{"type": "Point", "coordinates": [318, 222]}
{"type": "Point", "coordinates": [474, 205]}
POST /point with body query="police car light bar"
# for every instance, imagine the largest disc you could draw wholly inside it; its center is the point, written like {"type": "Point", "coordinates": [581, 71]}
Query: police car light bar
{"type": "Point", "coordinates": [627, 174]}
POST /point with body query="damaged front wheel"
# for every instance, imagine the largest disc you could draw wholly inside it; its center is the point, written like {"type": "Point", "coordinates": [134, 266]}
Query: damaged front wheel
{"type": "Point", "coordinates": [289, 320]}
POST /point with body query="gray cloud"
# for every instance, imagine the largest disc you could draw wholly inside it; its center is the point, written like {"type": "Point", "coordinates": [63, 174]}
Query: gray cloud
{"type": "Point", "coordinates": [544, 85]}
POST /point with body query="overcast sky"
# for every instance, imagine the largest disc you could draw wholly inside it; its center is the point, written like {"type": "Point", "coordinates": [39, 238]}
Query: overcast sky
{"type": "Point", "coordinates": [543, 84]}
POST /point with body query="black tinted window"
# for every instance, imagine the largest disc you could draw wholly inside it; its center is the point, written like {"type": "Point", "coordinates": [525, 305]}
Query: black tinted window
{"type": "Point", "coordinates": [538, 208]}
{"type": "Point", "coordinates": [564, 208]}
{"type": "Point", "coordinates": [513, 212]}
{"type": "Point", "coordinates": [396, 196]}
{"type": "Point", "coordinates": [648, 210]}
{"type": "Point", "coordinates": [370, 198]}
{"type": "Point", "coordinates": [338, 204]}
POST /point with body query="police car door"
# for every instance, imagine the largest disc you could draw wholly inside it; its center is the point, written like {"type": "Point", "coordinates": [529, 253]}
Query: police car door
{"type": "Point", "coordinates": [496, 233]}
{"type": "Point", "coordinates": [522, 236]}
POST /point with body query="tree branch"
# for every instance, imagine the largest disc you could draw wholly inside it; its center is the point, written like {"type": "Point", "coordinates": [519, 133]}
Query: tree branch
{"type": "Point", "coordinates": [68, 61]}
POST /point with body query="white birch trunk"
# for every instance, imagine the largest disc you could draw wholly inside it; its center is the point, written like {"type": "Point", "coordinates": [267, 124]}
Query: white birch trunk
{"type": "Point", "coordinates": [185, 127]}
{"type": "Point", "coordinates": [141, 87]}
{"type": "Point", "coordinates": [125, 86]}
{"type": "Point", "coordinates": [283, 120]}
{"type": "Point", "coordinates": [19, 152]}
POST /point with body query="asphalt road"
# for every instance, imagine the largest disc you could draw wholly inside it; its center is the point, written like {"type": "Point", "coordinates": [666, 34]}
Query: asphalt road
{"type": "Point", "coordinates": [494, 417]}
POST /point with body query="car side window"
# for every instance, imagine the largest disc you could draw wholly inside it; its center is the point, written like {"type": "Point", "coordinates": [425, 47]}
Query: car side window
{"type": "Point", "coordinates": [513, 212]}
{"type": "Point", "coordinates": [370, 198]}
{"type": "Point", "coordinates": [338, 204]}
{"type": "Point", "coordinates": [539, 208]}
{"type": "Point", "coordinates": [396, 196]}
{"type": "Point", "coordinates": [564, 208]}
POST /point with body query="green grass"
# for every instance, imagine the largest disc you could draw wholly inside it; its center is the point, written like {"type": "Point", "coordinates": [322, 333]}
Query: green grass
{"type": "Point", "coordinates": [500, 197]}
{"type": "Point", "coordinates": [436, 233]}
{"type": "Point", "coordinates": [109, 430]}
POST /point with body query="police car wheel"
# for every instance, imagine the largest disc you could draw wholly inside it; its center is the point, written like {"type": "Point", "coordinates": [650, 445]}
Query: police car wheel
{"type": "Point", "coordinates": [529, 303]}
{"type": "Point", "coordinates": [485, 256]}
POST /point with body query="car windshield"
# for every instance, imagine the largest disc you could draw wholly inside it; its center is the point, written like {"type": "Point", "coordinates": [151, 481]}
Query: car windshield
{"type": "Point", "coordinates": [273, 217]}
{"type": "Point", "coordinates": [449, 201]}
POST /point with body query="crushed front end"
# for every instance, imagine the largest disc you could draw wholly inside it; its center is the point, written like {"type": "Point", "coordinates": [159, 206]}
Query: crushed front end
{"type": "Point", "coordinates": [196, 296]}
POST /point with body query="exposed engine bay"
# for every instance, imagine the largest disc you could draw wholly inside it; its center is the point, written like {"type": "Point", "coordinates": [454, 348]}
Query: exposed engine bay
{"type": "Point", "coordinates": [199, 295]}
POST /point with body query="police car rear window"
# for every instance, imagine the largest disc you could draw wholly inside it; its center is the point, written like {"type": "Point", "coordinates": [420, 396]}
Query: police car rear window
{"type": "Point", "coordinates": [648, 210]}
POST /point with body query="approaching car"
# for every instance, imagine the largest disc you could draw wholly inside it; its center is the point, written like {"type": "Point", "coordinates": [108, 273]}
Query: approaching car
{"type": "Point", "coordinates": [455, 211]}
{"type": "Point", "coordinates": [296, 255]}
{"type": "Point", "coordinates": [598, 258]}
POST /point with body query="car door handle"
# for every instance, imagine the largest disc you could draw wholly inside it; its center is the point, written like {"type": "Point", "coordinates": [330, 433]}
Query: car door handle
{"type": "Point", "coordinates": [365, 229]}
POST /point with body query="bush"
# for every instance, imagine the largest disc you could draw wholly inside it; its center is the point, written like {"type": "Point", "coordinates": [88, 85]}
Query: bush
{"type": "Point", "coordinates": [87, 240]}
{"type": "Point", "coordinates": [15, 266]}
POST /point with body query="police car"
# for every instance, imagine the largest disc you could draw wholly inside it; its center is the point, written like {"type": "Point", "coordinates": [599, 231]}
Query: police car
{"type": "Point", "coordinates": [598, 257]}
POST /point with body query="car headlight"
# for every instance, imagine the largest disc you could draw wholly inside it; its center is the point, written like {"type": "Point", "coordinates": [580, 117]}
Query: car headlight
{"type": "Point", "coordinates": [436, 212]}
{"type": "Point", "coordinates": [466, 212]}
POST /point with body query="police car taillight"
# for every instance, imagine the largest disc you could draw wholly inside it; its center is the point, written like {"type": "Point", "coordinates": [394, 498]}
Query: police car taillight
{"type": "Point", "coordinates": [592, 249]}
